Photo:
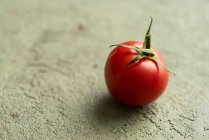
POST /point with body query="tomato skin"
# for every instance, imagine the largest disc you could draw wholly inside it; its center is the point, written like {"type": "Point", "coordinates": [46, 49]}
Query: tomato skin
{"type": "Point", "coordinates": [139, 83]}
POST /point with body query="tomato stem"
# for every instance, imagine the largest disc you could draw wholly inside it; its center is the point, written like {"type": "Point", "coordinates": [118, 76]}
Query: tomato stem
{"type": "Point", "coordinates": [145, 52]}
{"type": "Point", "coordinates": [147, 40]}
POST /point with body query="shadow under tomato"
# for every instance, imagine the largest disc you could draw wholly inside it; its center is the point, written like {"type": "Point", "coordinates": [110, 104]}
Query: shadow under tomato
{"type": "Point", "coordinates": [108, 111]}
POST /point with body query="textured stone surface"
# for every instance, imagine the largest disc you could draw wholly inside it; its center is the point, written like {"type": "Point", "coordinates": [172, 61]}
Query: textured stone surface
{"type": "Point", "coordinates": [52, 54]}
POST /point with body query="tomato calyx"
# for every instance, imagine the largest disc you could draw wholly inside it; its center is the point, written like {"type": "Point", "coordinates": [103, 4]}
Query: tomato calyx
{"type": "Point", "coordinates": [145, 51]}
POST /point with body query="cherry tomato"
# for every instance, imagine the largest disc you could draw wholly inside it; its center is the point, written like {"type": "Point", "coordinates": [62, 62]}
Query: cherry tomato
{"type": "Point", "coordinates": [135, 73]}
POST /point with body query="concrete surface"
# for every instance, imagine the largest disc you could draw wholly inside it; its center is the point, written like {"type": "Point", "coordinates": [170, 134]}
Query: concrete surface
{"type": "Point", "coordinates": [52, 55]}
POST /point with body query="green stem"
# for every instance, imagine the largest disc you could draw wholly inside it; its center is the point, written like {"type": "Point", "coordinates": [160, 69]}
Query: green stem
{"type": "Point", "coordinates": [145, 52]}
{"type": "Point", "coordinates": [147, 40]}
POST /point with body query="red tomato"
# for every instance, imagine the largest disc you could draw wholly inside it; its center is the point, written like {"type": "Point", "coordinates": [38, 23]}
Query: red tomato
{"type": "Point", "coordinates": [139, 83]}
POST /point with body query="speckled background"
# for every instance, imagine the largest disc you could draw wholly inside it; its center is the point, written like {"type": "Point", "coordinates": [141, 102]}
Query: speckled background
{"type": "Point", "coordinates": [52, 56]}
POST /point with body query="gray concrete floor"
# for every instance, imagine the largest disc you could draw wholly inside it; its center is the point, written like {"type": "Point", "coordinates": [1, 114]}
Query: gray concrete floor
{"type": "Point", "coordinates": [52, 55]}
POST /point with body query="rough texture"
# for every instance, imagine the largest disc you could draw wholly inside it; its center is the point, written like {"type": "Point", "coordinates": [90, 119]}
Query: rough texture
{"type": "Point", "coordinates": [52, 55]}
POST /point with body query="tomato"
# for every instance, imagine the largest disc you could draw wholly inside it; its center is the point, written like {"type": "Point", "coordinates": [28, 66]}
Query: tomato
{"type": "Point", "coordinates": [136, 82]}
